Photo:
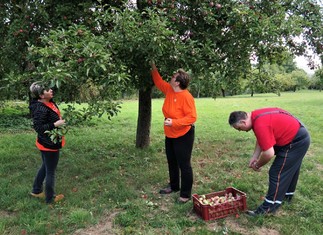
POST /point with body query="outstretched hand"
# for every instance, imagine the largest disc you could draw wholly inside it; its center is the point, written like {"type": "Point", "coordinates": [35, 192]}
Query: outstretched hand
{"type": "Point", "coordinates": [152, 64]}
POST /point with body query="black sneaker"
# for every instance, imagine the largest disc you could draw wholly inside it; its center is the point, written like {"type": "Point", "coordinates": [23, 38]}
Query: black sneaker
{"type": "Point", "coordinates": [167, 190]}
{"type": "Point", "coordinates": [261, 212]}
{"type": "Point", "coordinates": [183, 200]}
{"type": "Point", "coordinates": [254, 213]}
{"type": "Point", "coordinates": [288, 198]}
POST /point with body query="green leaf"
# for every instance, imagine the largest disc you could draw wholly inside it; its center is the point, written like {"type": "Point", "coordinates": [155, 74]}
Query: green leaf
{"type": "Point", "coordinates": [103, 67]}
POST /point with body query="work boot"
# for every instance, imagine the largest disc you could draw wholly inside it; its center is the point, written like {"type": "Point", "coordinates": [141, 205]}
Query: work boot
{"type": "Point", "coordinates": [38, 195]}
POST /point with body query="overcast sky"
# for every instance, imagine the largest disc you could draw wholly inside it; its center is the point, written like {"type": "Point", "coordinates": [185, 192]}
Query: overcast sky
{"type": "Point", "coordinates": [301, 63]}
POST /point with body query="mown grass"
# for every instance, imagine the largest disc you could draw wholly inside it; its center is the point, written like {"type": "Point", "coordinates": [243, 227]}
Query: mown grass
{"type": "Point", "coordinates": [101, 173]}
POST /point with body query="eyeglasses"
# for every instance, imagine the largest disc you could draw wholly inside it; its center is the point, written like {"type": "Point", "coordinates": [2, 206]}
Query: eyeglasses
{"type": "Point", "coordinates": [237, 126]}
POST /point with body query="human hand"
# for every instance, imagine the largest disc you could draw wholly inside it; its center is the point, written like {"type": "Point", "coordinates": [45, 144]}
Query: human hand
{"type": "Point", "coordinates": [59, 122]}
{"type": "Point", "coordinates": [255, 167]}
{"type": "Point", "coordinates": [152, 64]}
{"type": "Point", "coordinates": [252, 161]}
{"type": "Point", "coordinates": [168, 122]}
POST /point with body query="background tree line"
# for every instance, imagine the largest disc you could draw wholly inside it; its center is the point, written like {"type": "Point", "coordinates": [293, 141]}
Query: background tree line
{"type": "Point", "coordinates": [98, 51]}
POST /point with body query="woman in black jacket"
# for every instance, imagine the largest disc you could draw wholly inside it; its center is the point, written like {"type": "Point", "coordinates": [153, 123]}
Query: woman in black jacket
{"type": "Point", "coordinates": [46, 116]}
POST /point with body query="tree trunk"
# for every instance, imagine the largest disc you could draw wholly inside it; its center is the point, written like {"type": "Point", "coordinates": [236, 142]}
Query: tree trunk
{"type": "Point", "coordinates": [223, 92]}
{"type": "Point", "coordinates": [144, 118]}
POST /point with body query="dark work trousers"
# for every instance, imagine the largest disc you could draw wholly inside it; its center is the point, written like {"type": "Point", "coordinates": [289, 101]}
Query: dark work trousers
{"type": "Point", "coordinates": [47, 170]}
{"type": "Point", "coordinates": [179, 152]}
{"type": "Point", "coordinates": [284, 172]}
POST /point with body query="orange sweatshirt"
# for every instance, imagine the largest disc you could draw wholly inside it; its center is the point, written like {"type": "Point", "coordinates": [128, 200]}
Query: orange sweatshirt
{"type": "Point", "coordinates": [179, 106]}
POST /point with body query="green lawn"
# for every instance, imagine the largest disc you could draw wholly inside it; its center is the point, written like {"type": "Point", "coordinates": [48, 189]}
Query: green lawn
{"type": "Point", "coordinates": [111, 187]}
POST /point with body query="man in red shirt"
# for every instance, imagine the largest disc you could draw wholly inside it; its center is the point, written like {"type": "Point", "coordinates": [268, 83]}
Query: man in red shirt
{"type": "Point", "coordinates": [277, 133]}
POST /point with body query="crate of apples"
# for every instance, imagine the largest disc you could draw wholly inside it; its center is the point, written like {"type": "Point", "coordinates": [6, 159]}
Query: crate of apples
{"type": "Point", "coordinates": [219, 204]}
{"type": "Point", "coordinates": [216, 200]}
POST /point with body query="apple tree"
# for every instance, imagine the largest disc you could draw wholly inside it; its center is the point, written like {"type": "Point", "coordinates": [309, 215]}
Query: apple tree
{"type": "Point", "coordinates": [209, 36]}
{"type": "Point", "coordinates": [28, 21]}
{"type": "Point", "coordinates": [80, 65]}
{"type": "Point", "coordinates": [219, 37]}
{"type": "Point", "coordinates": [137, 38]}
{"type": "Point", "coordinates": [318, 79]}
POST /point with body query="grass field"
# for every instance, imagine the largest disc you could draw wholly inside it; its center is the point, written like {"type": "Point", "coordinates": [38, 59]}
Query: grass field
{"type": "Point", "coordinates": [111, 187]}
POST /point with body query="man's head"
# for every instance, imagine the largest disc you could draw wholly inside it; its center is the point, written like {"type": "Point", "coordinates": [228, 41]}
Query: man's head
{"type": "Point", "coordinates": [240, 121]}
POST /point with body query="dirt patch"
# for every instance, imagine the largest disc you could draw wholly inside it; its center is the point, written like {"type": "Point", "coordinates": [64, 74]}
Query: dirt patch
{"type": "Point", "coordinates": [6, 214]}
{"type": "Point", "coordinates": [266, 231]}
{"type": "Point", "coordinates": [104, 227]}
{"type": "Point", "coordinates": [232, 225]}
{"type": "Point", "coordinates": [228, 226]}
{"type": "Point", "coordinates": [319, 167]}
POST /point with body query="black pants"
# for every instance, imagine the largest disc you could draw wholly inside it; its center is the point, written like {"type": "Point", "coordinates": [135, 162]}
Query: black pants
{"type": "Point", "coordinates": [284, 172]}
{"type": "Point", "coordinates": [47, 170]}
{"type": "Point", "coordinates": [179, 152]}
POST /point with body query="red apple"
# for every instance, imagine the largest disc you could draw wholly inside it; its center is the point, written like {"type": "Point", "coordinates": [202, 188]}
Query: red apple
{"type": "Point", "coordinates": [80, 60]}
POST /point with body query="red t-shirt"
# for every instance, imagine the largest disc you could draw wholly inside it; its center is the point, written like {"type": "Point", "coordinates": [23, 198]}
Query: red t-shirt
{"type": "Point", "coordinates": [273, 126]}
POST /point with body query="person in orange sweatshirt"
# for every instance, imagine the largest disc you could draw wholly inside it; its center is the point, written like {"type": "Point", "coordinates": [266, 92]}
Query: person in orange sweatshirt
{"type": "Point", "coordinates": [180, 115]}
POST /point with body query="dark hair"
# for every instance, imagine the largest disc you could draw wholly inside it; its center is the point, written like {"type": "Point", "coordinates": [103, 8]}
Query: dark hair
{"type": "Point", "coordinates": [37, 89]}
{"type": "Point", "coordinates": [237, 116]}
{"type": "Point", "coordinates": [183, 78]}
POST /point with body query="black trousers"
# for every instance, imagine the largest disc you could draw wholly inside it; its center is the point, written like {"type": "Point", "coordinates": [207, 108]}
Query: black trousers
{"type": "Point", "coordinates": [178, 153]}
{"type": "Point", "coordinates": [284, 172]}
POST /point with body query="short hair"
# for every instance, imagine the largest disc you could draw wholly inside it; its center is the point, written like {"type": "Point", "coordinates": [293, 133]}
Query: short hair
{"type": "Point", "coordinates": [237, 116]}
{"type": "Point", "coordinates": [37, 89]}
{"type": "Point", "coordinates": [183, 78]}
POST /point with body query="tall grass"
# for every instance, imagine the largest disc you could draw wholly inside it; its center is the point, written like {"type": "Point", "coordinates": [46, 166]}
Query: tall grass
{"type": "Point", "coordinates": [107, 181]}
